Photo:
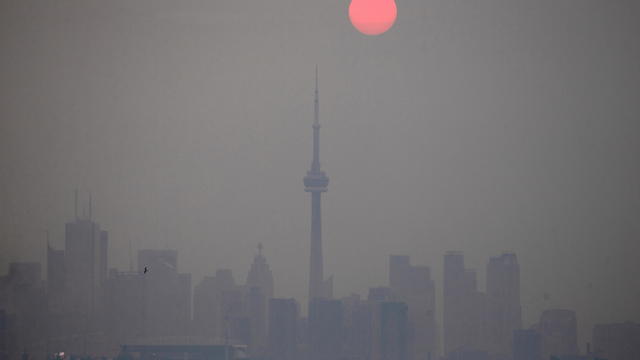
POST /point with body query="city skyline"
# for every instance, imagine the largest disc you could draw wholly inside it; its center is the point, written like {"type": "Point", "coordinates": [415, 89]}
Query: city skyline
{"type": "Point", "coordinates": [476, 323]}
{"type": "Point", "coordinates": [506, 127]}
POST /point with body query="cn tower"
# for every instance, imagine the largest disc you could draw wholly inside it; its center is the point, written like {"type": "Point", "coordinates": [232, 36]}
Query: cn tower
{"type": "Point", "coordinates": [316, 183]}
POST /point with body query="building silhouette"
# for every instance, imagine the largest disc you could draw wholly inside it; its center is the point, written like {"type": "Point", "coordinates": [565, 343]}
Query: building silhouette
{"type": "Point", "coordinates": [413, 286]}
{"type": "Point", "coordinates": [618, 341]}
{"type": "Point", "coordinates": [76, 277]}
{"type": "Point", "coordinates": [259, 286]}
{"type": "Point", "coordinates": [125, 301]}
{"type": "Point", "coordinates": [22, 297]}
{"type": "Point", "coordinates": [315, 182]}
{"type": "Point", "coordinates": [558, 330]}
{"type": "Point", "coordinates": [283, 329]}
{"type": "Point", "coordinates": [390, 331]}
{"type": "Point", "coordinates": [464, 308]}
{"type": "Point", "coordinates": [527, 345]}
{"type": "Point", "coordinates": [358, 327]}
{"type": "Point", "coordinates": [167, 294]}
{"type": "Point", "coordinates": [504, 313]}
{"type": "Point", "coordinates": [85, 266]}
{"type": "Point", "coordinates": [326, 329]}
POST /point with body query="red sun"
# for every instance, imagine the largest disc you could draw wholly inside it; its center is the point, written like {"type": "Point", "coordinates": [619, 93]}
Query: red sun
{"type": "Point", "coordinates": [372, 17]}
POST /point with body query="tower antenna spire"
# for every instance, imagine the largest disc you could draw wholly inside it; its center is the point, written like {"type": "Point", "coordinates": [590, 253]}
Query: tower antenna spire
{"type": "Point", "coordinates": [75, 203]}
{"type": "Point", "coordinates": [130, 257]}
{"type": "Point", "coordinates": [316, 183]}
{"type": "Point", "coordinates": [316, 107]}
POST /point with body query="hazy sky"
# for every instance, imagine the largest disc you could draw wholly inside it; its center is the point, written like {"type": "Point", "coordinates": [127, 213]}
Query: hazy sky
{"type": "Point", "coordinates": [481, 126]}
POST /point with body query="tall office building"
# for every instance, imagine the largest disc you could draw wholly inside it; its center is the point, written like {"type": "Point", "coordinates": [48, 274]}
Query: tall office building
{"type": "Point", "coordinates": [316, 183]}
{"type": "Point", "coordinates": [76, 278]}
{"type": "Point", "coordinates": [208, 315]}
{"type": "Point", "coordinates": [125, 304]}
{"type": "Point", "coordinates": [85, 270]}
{"type": "Point", "coordinates": [390, 331]}
{"type": "Point", "coordinates": [259, 290]}
{"type": "Point", "coordinates": [167, 294]}
{"type": "Point", "coordinates": [4, 335]}
{"type": "Point", "coordinates": [358, 325]}
{"type": "Point", "coordinates": [504, 313]}
{"type": "Point", "coordinates": [413, 285]}
{"type": "Point", "coordinates": [260, 274]}
{"type": "Point", "coordinates": [463, 307]}
{"type": "Point", "coordinates": [527, 345]}
{"type": "Point", "coordinates": [22, 296]}
{"type": "Point", "coordinates": [283, 329]}
{"type": "Point", "coordinates": [326, 329]}
{"type": "Point", "coordinates": [558, 329]}
{"type": "Point", "coordinates": [617, 341]}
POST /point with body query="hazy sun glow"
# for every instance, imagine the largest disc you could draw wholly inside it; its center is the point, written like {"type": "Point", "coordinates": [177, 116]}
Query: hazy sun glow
{"type": "Point", "coordinates": [372, 17]}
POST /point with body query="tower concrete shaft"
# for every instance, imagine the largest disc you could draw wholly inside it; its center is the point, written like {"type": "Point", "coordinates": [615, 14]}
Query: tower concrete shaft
{"type": "Point", "coordinates": [316, 183]}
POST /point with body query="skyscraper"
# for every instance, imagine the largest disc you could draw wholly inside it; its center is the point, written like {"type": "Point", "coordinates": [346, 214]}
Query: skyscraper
{"type": "Point", "coordinates": [503, 302]}
{"type": "Point", "coordinates": [167, 293]}
{"type": "Point", "coordinates": [283, 329]}
{"type": "Point", "coordinates": [527, 345]}
{"type": "Point", "coordinates": [316, 183]}
{"type": "Point", "coordinates": [85, 266]}
{"type": "Point", "coordinates": [413, 286]}
{"type": "Point", "coordinates": [260, 274]}
{"type": "Point", "coordinates": [390, 330]}
{"type": "Point", "coordinates": [259, 291]}
{"type": "Point", "coordinates": [617, 341]}
{"type": "Point", "coordinates": [559, 332]}
{"type": "Point", "coordinates": [463, 307]}
{"type": "Point", "coordinates": [326, 331]}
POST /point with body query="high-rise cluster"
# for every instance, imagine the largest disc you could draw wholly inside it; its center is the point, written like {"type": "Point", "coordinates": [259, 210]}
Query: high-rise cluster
{"type": "Point", "coordinates": [83, 308]}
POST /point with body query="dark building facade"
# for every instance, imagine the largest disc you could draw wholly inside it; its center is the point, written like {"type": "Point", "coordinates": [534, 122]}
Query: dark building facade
{"type": "Point", "coordinates": [23, 301]}
{"type": "Point", "coordinates": [167, 294]}
{"type": "Point", "coordinates": [259, 287]}
{"type": "Point", "coordinates": [558, 329]}
{"type": "Point", "coordinates": [464, 307]}
{"type": "Point", "coordinates": [504, 312]}
{"type": "Point", "coordinates": [527, 345]}
{"type": "Point", "coordinates": [326, 329]}
{"type": "Point", "coordinates": [283, 329]}
{"type": "Point", "coordinates": [209, 311]}
{"type": "Point", "coordinates": [619, 341]}
{"type": "Point", "coordinates": [125, 301]}
{"type": "Point", "coordinates": [358, 327]}
{"type": "Point", "coordinates": [390, 331]}
{"type": "Point", "coordinates": [413, 286]}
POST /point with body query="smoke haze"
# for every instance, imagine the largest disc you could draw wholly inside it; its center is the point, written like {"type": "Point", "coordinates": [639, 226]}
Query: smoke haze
{"type": "Point", "coordinates": [483, 127]}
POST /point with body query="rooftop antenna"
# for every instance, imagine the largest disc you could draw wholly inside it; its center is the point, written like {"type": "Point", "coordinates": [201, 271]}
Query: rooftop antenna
{"type": "Point", "coordinates": [75, 203]}
{"type": "Point", "coordinates": [130, 257]}
{"type": "Point", "coordinates": [260, 249]}
{"type": "Point", "coordinates": [90, 207]}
